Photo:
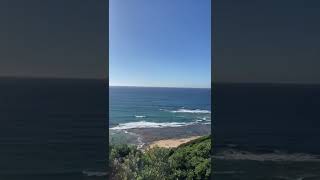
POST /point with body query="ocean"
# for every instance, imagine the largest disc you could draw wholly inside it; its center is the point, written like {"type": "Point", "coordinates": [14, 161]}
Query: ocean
{"type": "Point", "coordinates": [266, 131]}
{"type": "Point", "coordinates": [56, 129]}
{"type": "Point", "coordinates": [140, 115]}
{"type": "Point", "coordinates": [53, 129]}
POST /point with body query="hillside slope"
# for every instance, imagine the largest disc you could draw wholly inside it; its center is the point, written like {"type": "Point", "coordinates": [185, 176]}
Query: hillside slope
{"type": "Point", "coordinates": [188, 161]}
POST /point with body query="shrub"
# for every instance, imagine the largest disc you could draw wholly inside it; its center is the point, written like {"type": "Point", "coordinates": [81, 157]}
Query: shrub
{"type": "Point", "coordinates": [188, 161]}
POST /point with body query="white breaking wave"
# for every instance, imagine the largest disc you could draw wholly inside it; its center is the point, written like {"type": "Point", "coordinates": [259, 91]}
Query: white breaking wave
{"type": "Point", "coordinates": [203, 122]}
{"type": "Point", "coordinates": [145, 124]}
{"type": "Point", "coordinates": [140, 116]}
{"type": "Point", "coordinates": [244, 155]}
{"type": "Point", "coordinates": [206, 118]}
{"type": "Point", "coordinates": [203, 119]}
{"type": "Point", "coordinates": [94, 173]}
{"type": "Point", "coordinates": [198, 111]}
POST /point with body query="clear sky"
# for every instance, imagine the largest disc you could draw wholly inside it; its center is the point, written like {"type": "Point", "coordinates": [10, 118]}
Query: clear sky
{"type": "Point", "coordinates": [162, 43]}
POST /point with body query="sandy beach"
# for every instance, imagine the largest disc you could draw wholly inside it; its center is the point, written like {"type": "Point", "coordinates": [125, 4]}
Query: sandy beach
{"type": "Point", "coordinates": [172, 143]}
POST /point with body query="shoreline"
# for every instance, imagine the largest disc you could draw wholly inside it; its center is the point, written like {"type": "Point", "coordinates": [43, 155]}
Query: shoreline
{"type": "Point", "coordinates": [172, 143]}
{"type": "Point", "coordinates": [173, 136]}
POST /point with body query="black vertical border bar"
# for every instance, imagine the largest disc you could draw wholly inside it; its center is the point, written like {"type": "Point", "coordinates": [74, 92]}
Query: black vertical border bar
{"type": "Point", "coordinates": [213, 116]}
{"type": "Point", "coordinates": [107, 85]}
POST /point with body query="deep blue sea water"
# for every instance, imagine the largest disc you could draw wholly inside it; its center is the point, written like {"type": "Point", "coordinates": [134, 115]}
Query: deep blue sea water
{"type": "Point", "coordinates": [157, 108]}
{"type": "Point", "coordinates": [266, 131]}
{"type": "Point", "coordinates": [52, 129]}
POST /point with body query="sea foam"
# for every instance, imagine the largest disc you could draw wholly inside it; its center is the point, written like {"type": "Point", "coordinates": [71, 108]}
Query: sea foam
{"type": "Point", "coordinates": [276, 156]}
{"type": "Point", "coordinates": [197, 111]}
{"type": "Point", "coordinates": [140, 116]}
{"type": "Point", "coordinates": [145, 124]}
{"type": "Point", "coordinates": [94, 173]}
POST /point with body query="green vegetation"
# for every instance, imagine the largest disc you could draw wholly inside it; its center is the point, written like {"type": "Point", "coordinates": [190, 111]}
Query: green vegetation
{"type": "Point", "coordinates": [189, 161]}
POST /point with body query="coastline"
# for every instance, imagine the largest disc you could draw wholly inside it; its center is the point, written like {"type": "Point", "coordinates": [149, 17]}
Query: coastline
{"type": "Point", "coordinates": [144, 137]}
{"type": "Point", "coordinates": [172, 143]}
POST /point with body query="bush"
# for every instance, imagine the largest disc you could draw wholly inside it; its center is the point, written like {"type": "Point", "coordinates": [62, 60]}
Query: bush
{"type": "Point", "coordinates": [188, 161]}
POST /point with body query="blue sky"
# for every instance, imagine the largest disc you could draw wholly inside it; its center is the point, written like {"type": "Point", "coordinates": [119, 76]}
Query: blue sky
{"type": "Point", "coordinates": [161, 43]}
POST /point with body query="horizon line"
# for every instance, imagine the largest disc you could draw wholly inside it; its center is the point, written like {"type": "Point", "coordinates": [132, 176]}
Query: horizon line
{"type": "Point", "coordinates": [107, 80]}
{"type": "Point", "coordinates": [158, 86]}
